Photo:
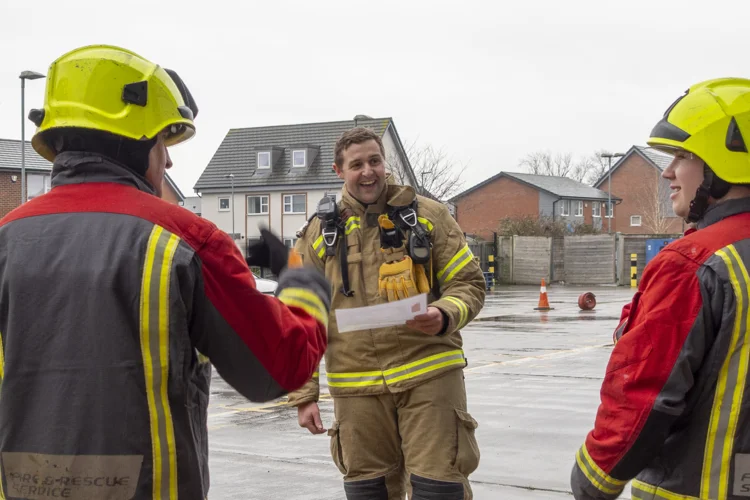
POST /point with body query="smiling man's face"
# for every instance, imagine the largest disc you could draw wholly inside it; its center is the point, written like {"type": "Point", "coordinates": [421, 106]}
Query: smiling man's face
{"type": "Point", "coordinates": [363, 171]}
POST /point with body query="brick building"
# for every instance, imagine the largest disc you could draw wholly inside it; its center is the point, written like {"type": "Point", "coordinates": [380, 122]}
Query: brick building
{"type": "Point", "coordinates": [645, 206]}
{"type": "Point", "coordinates": [480, 209]}
{"type": "Point", "coordinates": [38, 176]}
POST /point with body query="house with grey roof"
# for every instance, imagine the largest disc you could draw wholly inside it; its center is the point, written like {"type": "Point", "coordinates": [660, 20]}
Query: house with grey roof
{"type": "Point", "coordinates": [38, 176]}
{"type": "Point", "coordinates": [480, 208]}
{"type": "Point", "coordinates": [637, 180]}
{"type": "Point", "coordinates": [276, 175]}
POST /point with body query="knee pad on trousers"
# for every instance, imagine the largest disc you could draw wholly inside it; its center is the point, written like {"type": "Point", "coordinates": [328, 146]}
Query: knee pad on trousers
{"type": "Point", "coordinates": [430, 489]}
{"type": "Point", "coordinates": [369, 489]}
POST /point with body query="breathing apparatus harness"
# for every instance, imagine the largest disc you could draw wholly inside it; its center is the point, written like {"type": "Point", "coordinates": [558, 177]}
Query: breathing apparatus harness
{"type": "Point", "coordinates": [405, 219]}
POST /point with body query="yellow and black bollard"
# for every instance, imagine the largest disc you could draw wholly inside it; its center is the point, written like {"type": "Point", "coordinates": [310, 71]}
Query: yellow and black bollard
{"type": "Point", "coordinates": [633, 270]}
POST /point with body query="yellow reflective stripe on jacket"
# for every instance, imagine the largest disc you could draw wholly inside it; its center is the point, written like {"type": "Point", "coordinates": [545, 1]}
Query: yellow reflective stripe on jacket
{"type": "Point", "coordinates": [357, 379]}
{"type": "Point", "coordinates": [596, 476]}
{"type": "Point", "coordinates": [462, 308]}
{"type": "Point", "coordinates": [399, 373]}
{"type": "Point", "coordinates": [2, 359]}
{"type": "Point", "coordinates": [307, 301]}
{"type": "Point", "coordinates": [316, 374]}
{"type": "Point", "coordinates": [319, 246]}
{"type": "Point", "coordinates": [425, 365]}
{"type": "Point", "coordinates": [154, 336]}
{"type": "Point", "coordinates": [729, 387]}
{"type": "Point", "coordinates": [426, 223]}
{"type": "Point", "coordinates": [643, 491]}
{"type": "Point", "coordinates": [457, 263]}
{"type": "Point", "coordinates": [352, 223]}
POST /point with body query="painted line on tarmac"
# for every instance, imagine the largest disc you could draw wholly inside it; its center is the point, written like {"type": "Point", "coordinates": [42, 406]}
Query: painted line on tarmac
{"type": "Point", "coordinates": [518, 486]}
{"type": "Point", "coordinates": [550, 355]}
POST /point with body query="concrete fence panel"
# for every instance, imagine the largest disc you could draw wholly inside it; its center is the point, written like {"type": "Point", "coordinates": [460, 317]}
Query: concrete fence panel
{"type": "Point", "coordinates": [590, 259]}
{"type": "Point", "coordinates": [531, 259]}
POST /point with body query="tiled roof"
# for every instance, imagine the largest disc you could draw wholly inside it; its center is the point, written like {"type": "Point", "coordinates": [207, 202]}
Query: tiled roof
{"type": "Point", "coordinates": [237, 154]}
{"type": "Point", "coordinates": [10, 156]}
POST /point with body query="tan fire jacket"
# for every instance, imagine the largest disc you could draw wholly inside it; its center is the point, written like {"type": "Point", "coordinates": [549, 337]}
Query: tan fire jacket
{"type": "Point", "coordinates": [396, 358]}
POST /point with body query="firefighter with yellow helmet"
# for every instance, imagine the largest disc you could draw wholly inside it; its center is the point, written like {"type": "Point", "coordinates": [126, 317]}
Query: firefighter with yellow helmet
{"type": "Point", "coordinates": [401, 420]}
{"type": "Point", "coordinates": [674, 407]}
{"type": "Point", "coordinates": [114, 304]}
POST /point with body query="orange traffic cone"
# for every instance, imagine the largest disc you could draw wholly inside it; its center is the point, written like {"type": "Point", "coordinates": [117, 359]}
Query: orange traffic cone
{"type": "Point", "coordinates": [543, 301]}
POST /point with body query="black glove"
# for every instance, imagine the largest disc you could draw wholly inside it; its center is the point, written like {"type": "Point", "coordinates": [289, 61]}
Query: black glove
{"type": "Point", "coordinates": [270, 252]}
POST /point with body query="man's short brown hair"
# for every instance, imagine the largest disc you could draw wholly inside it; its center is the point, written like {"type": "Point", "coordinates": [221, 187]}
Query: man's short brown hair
{"type": "Point", "coordinates": [357, 135]}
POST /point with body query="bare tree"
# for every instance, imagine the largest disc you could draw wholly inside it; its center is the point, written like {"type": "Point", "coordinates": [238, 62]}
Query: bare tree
{"type": "Point", "coordinates": [437, 175]}
{"type": "Point", "coordinates": [588, 169]}
{"type": "Point", "coordinates": [598, 166]}
{"type": "Point", "coordinates": [653, 205]}
{"type": "Point", "coordinates": [543, 163]}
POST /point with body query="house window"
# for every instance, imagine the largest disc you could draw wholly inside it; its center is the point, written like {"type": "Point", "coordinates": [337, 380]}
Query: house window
{"type": "Point", "coordinates": [257, 205]}
{"type": "Point", "coordinates": [37, 185]}
{"type": "Point", "coordinates": [289, 242]}
{"type": "Point", "coordinates": [565, 207]}
{"type": "Point", "coordinates": [579, 208]}
{"type": "Point", "coordinates": [224, 204]}
{"type": "Point", "coordinates": [298, 158]}
{"type": "Point", "coordinates": [294, 203]}
{"type": "Point", "coordinates": [635, 220]}
{"type": "Point", "coordinates": [596, 209]}
{"type": "Point", "coordinates": [609, 209]}
{"type": "Point", "coordinates": [264, 160]}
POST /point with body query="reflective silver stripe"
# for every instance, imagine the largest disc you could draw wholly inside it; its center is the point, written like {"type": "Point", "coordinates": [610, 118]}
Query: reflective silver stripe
{"type": "Point", "coordinates": [358, 379]}
{"type": "Point", "coordinates": [429, 364]}
{"type": "Point", "coordinates": [642, 491]}
{"type": "Point", "coordinates": [456, 264]}
{"type": "Point", "coordinates": [730, 385]}
{"type": "Point", "coordinates": [319, 246]}
{"type": "Point", "coordinates": [352, 223]}
{"type": "Point", "coordinates": [596, 476]}
{"type": "Point", "coordinates": [334, 380]}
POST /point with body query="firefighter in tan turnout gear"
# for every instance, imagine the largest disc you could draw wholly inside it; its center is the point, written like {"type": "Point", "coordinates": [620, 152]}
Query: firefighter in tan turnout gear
{"type": "Point", "coordinates": [401, 421]}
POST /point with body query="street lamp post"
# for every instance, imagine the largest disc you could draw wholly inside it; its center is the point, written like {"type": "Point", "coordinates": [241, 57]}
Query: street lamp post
{"type": "Point", "coordinates": [25, 75]}
{"type": "Point", "coordinates": [610, 210]}
{"type": "Point", "coordinates": [231, 177]}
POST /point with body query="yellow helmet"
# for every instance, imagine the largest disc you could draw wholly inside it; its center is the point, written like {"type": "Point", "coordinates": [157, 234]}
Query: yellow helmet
{"type": "Point", "coordinates": [110, 89]}
{"type": "Point", "coordinates": [711, 121]}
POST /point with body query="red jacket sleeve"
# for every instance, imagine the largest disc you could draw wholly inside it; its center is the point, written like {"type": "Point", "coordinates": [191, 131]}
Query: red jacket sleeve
{"type": "Point", "coordinates": [261, 345]}
{"type": "Point", "coordinates": [640, 397]}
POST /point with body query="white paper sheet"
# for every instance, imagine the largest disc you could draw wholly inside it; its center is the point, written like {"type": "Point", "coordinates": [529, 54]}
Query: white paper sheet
{"type": "Point", "coordinates": [381, 315]}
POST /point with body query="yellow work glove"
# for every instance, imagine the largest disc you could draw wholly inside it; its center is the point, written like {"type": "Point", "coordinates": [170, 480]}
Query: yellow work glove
{"type": "Point", "coordinates": [402, 279]}
{"type": "Point", "coordinates": [423, 284]}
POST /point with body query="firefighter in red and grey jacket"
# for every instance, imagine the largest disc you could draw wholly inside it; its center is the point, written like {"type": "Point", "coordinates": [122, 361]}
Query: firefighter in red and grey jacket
{"type": "Point", "coordinates": [113, 301]}
{"type": "Point", "coordinates": [675, 401]}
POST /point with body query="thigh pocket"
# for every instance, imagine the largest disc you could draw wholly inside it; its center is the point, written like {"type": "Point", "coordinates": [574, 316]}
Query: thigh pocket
{"type": "Point", "coordinates": [336, 451]}
{"type": "Point", "coordinates": [467, 449]}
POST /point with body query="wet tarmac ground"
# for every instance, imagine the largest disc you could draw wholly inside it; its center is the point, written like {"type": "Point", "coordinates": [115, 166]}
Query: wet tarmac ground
{"type": "Point", "coordinates": [533, 385]}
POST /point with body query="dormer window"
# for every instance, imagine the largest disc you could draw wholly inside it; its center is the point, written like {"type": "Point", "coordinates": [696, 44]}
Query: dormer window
{"type": "Point", "coordinates": [264, 159]}
{"type": "Point", "coordinates": [299, 157]}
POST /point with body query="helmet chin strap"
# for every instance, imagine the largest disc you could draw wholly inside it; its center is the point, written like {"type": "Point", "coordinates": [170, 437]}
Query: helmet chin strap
{"type": "Point", "coordinates": [711, 187]}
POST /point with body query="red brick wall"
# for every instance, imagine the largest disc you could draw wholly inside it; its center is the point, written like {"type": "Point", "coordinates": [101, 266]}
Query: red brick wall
{"type": "Point", "coordinates": [630, 181]}
{"type": "Point", "coordinates": [10, 193]}
{"type": "Point", "coordinates": [480, 211]}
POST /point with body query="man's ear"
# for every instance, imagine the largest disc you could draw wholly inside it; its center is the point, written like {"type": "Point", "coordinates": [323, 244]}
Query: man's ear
{"type": "Point", "coordinates": [339, 171]}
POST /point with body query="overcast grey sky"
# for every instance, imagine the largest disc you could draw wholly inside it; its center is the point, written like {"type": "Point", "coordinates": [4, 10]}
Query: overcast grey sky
{"type": "Point", "coordinates": [486, 81]}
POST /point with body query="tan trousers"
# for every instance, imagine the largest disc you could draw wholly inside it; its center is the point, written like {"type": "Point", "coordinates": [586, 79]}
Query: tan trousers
{"type": "Point", "coordinates": [425, 431]}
